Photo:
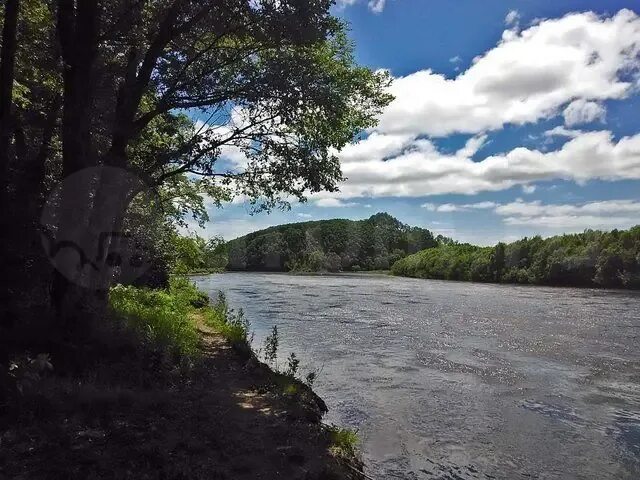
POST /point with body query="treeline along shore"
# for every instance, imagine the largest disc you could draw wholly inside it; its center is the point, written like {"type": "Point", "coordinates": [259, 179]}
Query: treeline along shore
{"type": "Point", "coordinates": [590, 259]}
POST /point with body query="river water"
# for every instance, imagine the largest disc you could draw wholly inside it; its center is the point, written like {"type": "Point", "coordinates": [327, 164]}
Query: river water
{"type": "Point", "coordinates": [448, 380]}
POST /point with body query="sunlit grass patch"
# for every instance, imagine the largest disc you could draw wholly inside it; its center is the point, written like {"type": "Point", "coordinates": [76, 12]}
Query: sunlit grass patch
{"type": "Point", "coordinates": [159, 316]}
{"type": "Point", "coordinates": [344, 442]}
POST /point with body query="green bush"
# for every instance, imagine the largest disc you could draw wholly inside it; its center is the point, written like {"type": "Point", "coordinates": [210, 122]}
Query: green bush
{"type": "Point", "coordinates": [344, 442]}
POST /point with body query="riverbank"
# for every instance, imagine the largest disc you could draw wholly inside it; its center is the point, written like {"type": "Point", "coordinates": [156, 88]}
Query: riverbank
{"type": "Point", "coordinates": [173, 406]}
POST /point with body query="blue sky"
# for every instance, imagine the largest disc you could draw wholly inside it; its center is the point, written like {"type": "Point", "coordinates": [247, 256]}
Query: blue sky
{"type": "Point", "coordinates": [510, 119]}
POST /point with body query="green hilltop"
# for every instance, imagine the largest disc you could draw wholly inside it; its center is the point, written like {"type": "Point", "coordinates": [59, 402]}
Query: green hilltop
{"type": "Point", "coordinates": [329, 245]}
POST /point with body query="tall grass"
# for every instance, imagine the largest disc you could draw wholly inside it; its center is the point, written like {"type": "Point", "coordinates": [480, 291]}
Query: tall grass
{"type": "Point", "coordinates": [160, 316]}
{"type": "Point", "coordinates": [230, 324]}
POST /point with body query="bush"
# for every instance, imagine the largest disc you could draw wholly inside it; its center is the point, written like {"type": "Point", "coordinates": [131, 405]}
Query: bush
{"type": "Point", "coordinates": [344, 442]}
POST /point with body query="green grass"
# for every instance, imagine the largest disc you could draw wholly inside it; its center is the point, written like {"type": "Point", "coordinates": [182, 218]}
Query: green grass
{"type": "Point", "coordinates": [230, 324]}
{"type": "Point", "coordinates": [160, 316]}
{"type": "Point", "coordinates": [344, 442]}
{"type": "Point", "coordinates": [166, 317]}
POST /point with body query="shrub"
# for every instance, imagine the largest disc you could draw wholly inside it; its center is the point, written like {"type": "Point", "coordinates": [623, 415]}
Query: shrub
{"type": "Point", "coordinates": [344, 442]}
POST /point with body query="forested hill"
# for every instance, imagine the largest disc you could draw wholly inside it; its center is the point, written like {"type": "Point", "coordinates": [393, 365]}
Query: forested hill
{"type": "Point", "coordinates": [589, 259]}
{"type": "Point", "coordinates": [329, 245]}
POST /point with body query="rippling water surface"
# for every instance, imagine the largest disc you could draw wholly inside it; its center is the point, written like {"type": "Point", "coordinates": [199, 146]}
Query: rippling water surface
{"type": "Point", "coordinates": [448, 380]}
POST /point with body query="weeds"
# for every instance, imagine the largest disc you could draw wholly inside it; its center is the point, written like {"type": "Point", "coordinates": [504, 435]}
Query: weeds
{"type": "Point", "coordinates": [344, 442]}
{"type": "Point", "coordinates": [292, 365]}
{"type": "Point", "coordinates": [160, 316]}
{"type": "Point", "coordinates": [271, 346]}
{"type": "Point", "coordinates": [232, 325]}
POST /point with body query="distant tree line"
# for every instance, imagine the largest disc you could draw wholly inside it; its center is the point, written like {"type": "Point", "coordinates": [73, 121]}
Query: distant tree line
{"type": "Point", "coordinates": [590, 259]}
{"type": "Point", "coordinates": [329, 245]}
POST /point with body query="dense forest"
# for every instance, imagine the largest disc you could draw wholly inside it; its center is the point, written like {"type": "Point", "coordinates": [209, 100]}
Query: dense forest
{"type": "Point", "coordinates": [590, 259]}
{"type": "Point", "coordinates": [329, 245]}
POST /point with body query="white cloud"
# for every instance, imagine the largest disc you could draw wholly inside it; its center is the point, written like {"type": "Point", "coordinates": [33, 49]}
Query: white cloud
{"type": "Point", "coordinates": [330, 202]}
{"type": "Point", "coordinates": [376, 6]}
{"type": "Point", "coordinates": [527, 76]}
{"type": "Point", "coordinates": [581, 111]}
{"type": "Point", "coordinates": [456, 59]}
{"type": "Point", "coordinates": [451, 207]}
{"type": "Point", "coordinates": [604, 214]}
{"type": "Point", "coordinates": [304, 215]}
{"type": "Point", "coordinates": [563, 132]}
{"type": "Point", "coordinates": [421, 169]}
{"type": "Point", "coordinates": [473, 145]}
{"type": "Point", "coordinates": [528, 189]}
{"type": "Point", "coordinates": [512, 18]}
{"type": "Point", "coordinates": [448, 207]}
{"type": "Point", "coordinates": [570, 217]}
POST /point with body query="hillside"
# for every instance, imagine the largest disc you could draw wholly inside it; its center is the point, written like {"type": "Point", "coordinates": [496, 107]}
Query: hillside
{"type": "Point", "coordinates": [589, 259]}
{"type": "Point", "coordinates": [329, 245]}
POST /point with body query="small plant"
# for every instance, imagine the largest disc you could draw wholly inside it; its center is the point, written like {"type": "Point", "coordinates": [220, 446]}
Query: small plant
{"type": "Point", "coordinates": [293, 363]}
{"type": "Point", "coordinates": [310, 378]}
{"type": "Point", "coordinates": [344, 442]}
{"type": "Point", "coordinates": [271, 346]}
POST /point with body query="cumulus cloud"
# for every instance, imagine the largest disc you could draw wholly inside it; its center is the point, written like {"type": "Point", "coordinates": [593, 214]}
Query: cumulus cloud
{"type": "Point", "coordinates": [604, 214]}
{"type": "Point", "coordinates": [601, 214]}
{"type": "Point", "coordinates": [330, 202]}
{"type": "Point", "coordinates": [581, 111]}
{"type": "Point", "coordinates": [417, 168]}
{"type": "Point", "coordinates": [528, 189]}
{"type": "Point", "coordinates": [527, 76]}
{"type": "Point", "coordinates": [451, 207]}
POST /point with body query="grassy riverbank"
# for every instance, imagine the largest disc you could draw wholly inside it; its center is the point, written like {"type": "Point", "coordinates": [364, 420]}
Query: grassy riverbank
{"type": "Point", "coordinates": [166, 387]}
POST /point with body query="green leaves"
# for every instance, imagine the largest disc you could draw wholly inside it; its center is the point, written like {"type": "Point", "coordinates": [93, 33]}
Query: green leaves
{"type": "Point", "coordinates": [592, 258]}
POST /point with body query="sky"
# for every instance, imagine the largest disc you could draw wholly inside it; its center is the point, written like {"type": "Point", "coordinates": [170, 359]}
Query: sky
{"type": "Point", "coordinates": [510, 119]}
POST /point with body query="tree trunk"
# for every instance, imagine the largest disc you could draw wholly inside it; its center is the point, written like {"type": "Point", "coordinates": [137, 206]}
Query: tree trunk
{"type": "Point", "coordinates": [7, 67]}
{"type": "Point", "coordinates": [77, 27]}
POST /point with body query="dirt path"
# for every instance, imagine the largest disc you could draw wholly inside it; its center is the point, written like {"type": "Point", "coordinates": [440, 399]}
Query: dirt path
{"type": "Point", "coordinates": [227, 421]}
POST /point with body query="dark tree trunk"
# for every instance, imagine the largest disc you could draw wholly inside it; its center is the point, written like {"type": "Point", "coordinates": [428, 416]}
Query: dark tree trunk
{"type": "Point", "coordinates": [77, 25]}
{"type": "Point", "coordinates": [7, 67]}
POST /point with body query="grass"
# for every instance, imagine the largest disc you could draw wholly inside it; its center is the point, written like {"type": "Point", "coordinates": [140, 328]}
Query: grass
{"type": "Point", "coordinates": [168, 318]}
{"type": "Point", "coordinates": [344, 442]}
{"type": "Point", "coordinates": [165, 317]}
{"type": "Point", "coordinates": [160, 316]}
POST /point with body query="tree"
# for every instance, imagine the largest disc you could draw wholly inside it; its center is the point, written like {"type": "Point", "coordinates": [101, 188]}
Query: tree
{"type": "Point", "coordinates": [274, 82]}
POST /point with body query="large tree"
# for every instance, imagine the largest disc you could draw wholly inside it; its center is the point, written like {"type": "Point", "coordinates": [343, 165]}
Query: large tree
{"type": "Point", "coordinates": [272, 82]}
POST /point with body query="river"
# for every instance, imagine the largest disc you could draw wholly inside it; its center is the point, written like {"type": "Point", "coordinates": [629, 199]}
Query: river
{"type": "Point", "coordinates": [448, 380]}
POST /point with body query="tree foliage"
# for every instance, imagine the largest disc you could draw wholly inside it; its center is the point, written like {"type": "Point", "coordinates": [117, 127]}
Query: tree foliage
{"type": "Point", "coordinates": [589, 259]}
{"type": "Point", "coordinates": [272, 83]}
{"type": "Point", "coordinates": [329, 245]}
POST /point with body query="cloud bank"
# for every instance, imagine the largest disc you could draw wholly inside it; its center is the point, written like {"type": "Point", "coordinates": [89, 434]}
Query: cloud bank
{"type": "Point", "coordinates": [560, 67]}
